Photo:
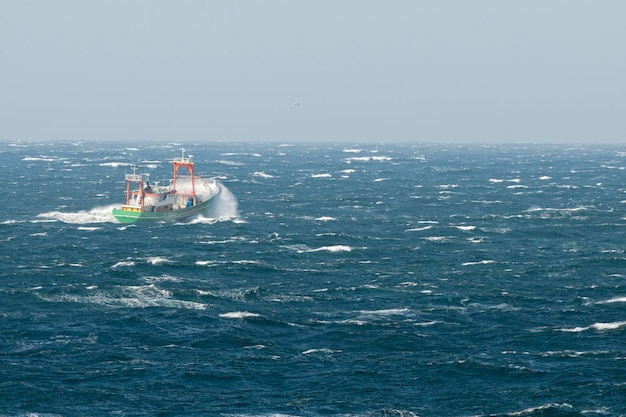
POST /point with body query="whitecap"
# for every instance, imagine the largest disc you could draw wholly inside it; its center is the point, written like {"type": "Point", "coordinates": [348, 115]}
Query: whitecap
{"type": "Point", "coordinates": [158, 260]}
{"type": "Point", "coordinates": [115, 164]}
{"type": "Point", "coordinates": [596, 326]}
{"type": "Point", "coordinates": [608, 326]}
{"type": "Point", "coordinates": [419, 229]}
{"type": "Point", "coordinates": [89, 229]}
{"type": "Point", "coordinates": [465, 228]}
{"type": "Point", "coordinates": [325, 219]}
{"type": "Point", "coordinates": [335, 248]}
{"type": "Point", "coordinates": [368, 159]}
{"type": "Point", "coordinates": [613, 300]}
{"type": "Point", "coordinates": [437, 239]}
{"type": "Point", "coordinates": [300, 248]}
{"type": "Point", "coordinates": [484, 262]}
{"type": "Point", "coordinates": [572, 353]}
{"type": "Point", "coordinates": [323, 350]}
{"type": "Point", "coordinates": [206, 263]}
{"type": "Point", "coordinates": [262, 174]}
{"type": "Point", "coordinates": [533, 410]}
{"type": "Point", "coordinates": [565, 210]}
{"type": "Point", "coordinates": [131, 297]}
{"type": "Point", "coordinates": [325, 175]}
{"type": "Point", "coordinates": [38, 158]}
{"type": "Point", "coordinates": [123, 264]}
{"type": "Point", "coordinates": [427, 323]}
{"type": "Point", "coordinates": [497, 180]}
{"type": "Point", "coordinates": [238, 315]}
{"type": "Point", "coordinates": [386, 312]}
{"type": "Point", "coordinates": [230, 163]}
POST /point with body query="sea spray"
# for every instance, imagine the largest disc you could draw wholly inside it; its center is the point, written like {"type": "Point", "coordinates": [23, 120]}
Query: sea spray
{"type": "Point", "coordinates": [225, 206]}
{"type": "Point", "coordinates": [101, 214]}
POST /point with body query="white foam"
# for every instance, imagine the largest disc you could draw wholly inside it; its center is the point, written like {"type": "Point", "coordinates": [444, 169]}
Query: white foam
{"type": "Point", "coordinates": [613, 300]}
{"type": "Point", "coordinates": [323, 350]}
{"type": "Point", "coordinates": [386, 312]}
{"type": "Point", "coordinates": [368, 159]}
{"type": "Point", "coordinates": [484, 262]}
{"type": "Point", "coordinates": [231, 163]}
{"type": "Point", "coordinates": [123, 264]}
{"type": "Point", "coordinates": [496, 180]}
{"type": "Point", "coordinates": [115, 164]}
{"type": "Point", "coordinates": [428, 323]}
{"type": "Point", "coordinates": [335, 248]}
{"type": "Point", "coordinates": [157, 260]}
{"type": "Point", "coordinates": [205, 263]}
{"type": "Point", "coordinates": [352, 150]}
{"type": "Point", "coordinates": [419, 229]}
{"type": "Point", "coordinates": [465, 228]}
{"type": "Point", "coordinates": [596, 326]}
{"type": "Point", "coordinates": [574, 209]}
{"type": "Point", "coordinates": [38, 158]}
{"type": "Point", "coordinates": [133, 297]}
{"type": "Point", "coordinates": [324, 175]}
{"type": "Point", "coordinates": [325, 219]}
{"type": "Point", "coordinates": [262, 174]}
{"type": "Point", "coordinates": [238, 315]}
{"type": "Point", "coordinates": [573, 354]}
{"type": "Point", "coordinates": [608, 326]}
{"type": "Point", "coordinates": [89, 229]}
{"type": "Point", "coordinates": [437, 239]}
{"type": "Point", "coordinates": [532, 410]}
{"type": "Point", "coordinates": [101, 214]}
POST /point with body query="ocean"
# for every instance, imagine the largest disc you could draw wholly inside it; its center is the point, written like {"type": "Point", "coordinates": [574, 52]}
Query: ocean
{"type": "Point", "coordinates": [327, 280]}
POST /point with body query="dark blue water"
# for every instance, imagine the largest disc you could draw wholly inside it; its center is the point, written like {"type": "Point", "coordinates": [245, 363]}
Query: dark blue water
{"type": "Point", "coordinates": [328, 280]}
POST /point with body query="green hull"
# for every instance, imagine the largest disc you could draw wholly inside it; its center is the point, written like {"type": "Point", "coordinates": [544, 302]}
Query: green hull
{"type": "Point", "coordinates": [126, 216]}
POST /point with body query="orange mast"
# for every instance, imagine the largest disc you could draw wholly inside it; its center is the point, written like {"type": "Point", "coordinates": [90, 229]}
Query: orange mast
{"type": "Point", "coordinates": [185, 162]}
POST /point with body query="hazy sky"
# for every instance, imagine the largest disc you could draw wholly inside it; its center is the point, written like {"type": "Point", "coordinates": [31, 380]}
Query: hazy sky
{"type": "Point", "coordinates": [359, 70]}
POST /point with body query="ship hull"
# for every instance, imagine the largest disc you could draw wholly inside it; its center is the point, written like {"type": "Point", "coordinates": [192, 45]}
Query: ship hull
{"type": "Point", "coordinates": [129, 216]}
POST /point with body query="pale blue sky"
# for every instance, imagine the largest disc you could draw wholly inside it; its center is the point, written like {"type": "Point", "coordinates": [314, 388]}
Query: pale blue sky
{"type": "Point", "coordinates": [382, 71]}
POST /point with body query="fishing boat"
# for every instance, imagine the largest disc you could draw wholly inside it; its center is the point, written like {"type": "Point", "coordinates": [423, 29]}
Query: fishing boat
{"type": "Point", "coordinates": [187, 195]}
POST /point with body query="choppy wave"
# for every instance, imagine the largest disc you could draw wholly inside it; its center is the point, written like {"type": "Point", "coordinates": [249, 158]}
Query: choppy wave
{"type": "Point", "coordinates": [238, 315]}
{"type": "Point", "coordinates": [414, 280]}
{"type": "Point", "coordinates": [129, 297]}
{"type": "Point", "coordinates": [596, 326]}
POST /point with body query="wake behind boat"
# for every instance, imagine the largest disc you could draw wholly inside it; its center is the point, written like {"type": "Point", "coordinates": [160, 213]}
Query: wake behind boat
{"type": "Point", "coordinates": [187, 195]}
